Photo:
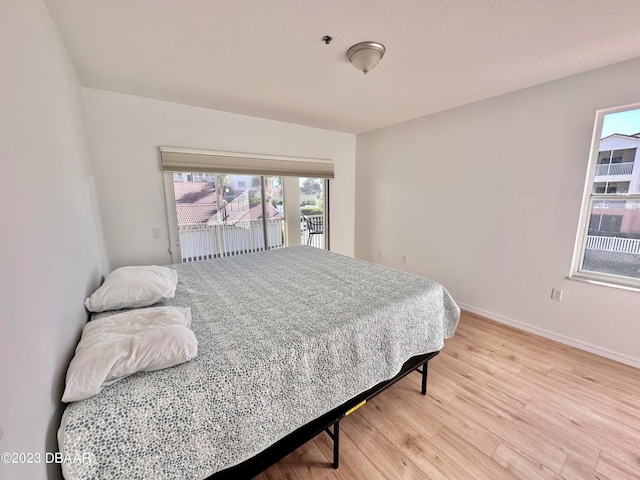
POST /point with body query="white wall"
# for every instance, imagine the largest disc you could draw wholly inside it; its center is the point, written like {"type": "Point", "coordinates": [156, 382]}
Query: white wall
{"type": "Point", "coordinates": [485, 198]}
{"type": "Point", "coordinates": [51, 252]}
{"type": "Point", "coordinates": [126, 132]}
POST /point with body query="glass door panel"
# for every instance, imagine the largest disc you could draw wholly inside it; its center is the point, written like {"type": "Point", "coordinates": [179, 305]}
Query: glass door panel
{"type": "Point", "coordinates": [222, 214]}
{"type": "Point", "coordinates": [274, 211]}
{"type": "Point", "coordinates": [312, 219]}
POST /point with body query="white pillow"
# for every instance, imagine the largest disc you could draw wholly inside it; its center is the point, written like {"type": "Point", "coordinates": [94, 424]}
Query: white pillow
{"type": "Point", "coordinates": [133, 287]}
{"type": "Point", "coordinates": [117, 346]}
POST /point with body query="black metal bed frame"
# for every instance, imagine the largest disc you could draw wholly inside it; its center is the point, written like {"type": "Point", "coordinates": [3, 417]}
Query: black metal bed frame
{"type": "Point", "coordinates": [255, 465]}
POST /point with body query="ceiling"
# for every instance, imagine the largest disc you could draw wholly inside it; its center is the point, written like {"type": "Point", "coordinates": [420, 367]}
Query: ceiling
{"type": "Point", "coordinates": [266, 58]}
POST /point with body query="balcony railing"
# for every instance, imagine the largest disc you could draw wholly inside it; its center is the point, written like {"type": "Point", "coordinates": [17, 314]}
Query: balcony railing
{"type": "Point", "coordinates": [201, 242]}
{"type": "Point", "coordinates": [614, 169]}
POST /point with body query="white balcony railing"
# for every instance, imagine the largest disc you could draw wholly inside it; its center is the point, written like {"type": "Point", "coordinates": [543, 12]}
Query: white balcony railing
{"type": "Point", "coordinates": [614, 169]}
{"type": "Point", "coordinates": [200, 242]}
{"type": "Point", "coordinates": [613, 244]}
{"type": "Point", "coordinates": [616, 204]}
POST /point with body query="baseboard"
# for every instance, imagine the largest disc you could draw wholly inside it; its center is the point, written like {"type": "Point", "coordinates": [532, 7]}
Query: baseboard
{"type": "Point", "coordinates": [572, 342]}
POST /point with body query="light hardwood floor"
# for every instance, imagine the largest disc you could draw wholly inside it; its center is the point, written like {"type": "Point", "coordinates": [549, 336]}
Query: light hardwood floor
{"type": "Point", "coordinates": [501, 404]}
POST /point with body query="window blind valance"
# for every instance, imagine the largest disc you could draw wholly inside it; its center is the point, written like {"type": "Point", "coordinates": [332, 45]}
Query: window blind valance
{"type": "Point", "coordinates": [174, 159]}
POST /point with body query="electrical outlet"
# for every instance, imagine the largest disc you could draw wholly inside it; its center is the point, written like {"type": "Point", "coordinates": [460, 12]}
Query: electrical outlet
{"type": "Point", "coordinates": [156, 232]}
{"type": "Point", "coordinates": [404, 259]}
{"type": "Point", "coordinates": [380, 253]}
{"type": "Point", "coordinates": [556, 294]}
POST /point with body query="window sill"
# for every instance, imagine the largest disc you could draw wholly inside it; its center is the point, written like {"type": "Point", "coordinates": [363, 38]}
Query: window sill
{"type": "Point", "coordinates": [603, 283]}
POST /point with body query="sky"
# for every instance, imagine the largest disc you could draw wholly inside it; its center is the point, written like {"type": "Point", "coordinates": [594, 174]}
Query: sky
{"type": "Point", "coordinates": [626, 123]}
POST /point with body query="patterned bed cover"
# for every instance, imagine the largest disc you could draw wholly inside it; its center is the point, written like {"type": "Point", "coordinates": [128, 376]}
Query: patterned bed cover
{"type": "Point", "coordinates": [284, 336]}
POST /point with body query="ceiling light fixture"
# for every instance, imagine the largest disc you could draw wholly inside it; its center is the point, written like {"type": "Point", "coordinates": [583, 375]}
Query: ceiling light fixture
{"type": "Point", "coordinates": [366, 55]}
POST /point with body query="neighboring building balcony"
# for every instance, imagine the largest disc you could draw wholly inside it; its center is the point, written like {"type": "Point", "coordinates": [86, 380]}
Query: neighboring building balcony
{"type": "Point", "coordinates": [608, 169]}
{"type": "Point", "coordinates": [614, 204]}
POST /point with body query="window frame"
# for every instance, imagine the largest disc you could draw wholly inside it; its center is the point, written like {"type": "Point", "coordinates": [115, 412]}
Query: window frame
{"type": "Point", "coordinates": [588, 198]}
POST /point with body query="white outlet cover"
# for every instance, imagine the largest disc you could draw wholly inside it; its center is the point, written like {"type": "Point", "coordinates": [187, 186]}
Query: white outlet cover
{"type": "Point", "coordinates": [556, 294]}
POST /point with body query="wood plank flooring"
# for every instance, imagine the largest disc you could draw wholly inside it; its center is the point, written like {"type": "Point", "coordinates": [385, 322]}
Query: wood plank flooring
{"type": "Point", "coordinates": [501, 404]}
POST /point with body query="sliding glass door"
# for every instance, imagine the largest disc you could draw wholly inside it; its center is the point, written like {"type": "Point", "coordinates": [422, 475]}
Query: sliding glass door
{"type": "Point", "coordinates": [222, 203]}
{"type": "Point", "coordinates": [312, 212]}
{"type": "Point", "coordinates": [219, 215]}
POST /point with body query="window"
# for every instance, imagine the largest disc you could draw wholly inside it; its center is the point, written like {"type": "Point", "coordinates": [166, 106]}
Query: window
{"type": "Point", "coordinates": [227, 203]}
{"type": "Point", "coordinates": [608, 243]}
{"type": "Point", "coordinates": [215, 221]}
{"type": "Point", "coordinates": [611, 187]}
{"type": "Point", "coordinates": [600, 224]}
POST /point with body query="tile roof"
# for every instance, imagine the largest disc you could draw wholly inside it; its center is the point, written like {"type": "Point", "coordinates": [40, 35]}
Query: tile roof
{"type": "Point", "coordinates": [195, 192]}
{"type": "Point", "coordinates": [195, 204]}
{"type": "Point", "coordinates": [189, 214]}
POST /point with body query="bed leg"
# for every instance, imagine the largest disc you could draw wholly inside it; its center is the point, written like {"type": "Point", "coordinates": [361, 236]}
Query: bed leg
{"type": "Point", "coordinates": [336, 444]}
{"type": "Point", "coordinates": [424, 371]}
{"type": "Point", "coordinates": [424, 377]}
{"type": "Point", "coordinates": [335, 436]}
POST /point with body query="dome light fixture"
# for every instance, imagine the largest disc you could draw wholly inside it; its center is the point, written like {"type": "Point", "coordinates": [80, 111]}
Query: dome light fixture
{"type": "Point", "coordinates": [366, 55]}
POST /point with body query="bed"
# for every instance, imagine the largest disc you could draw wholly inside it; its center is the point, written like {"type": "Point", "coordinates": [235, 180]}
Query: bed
{"type": "Point", "coordinates": [288, 339]}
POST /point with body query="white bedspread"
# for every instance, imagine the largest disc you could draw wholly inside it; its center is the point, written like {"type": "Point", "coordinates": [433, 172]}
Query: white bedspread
{"type": "Point", "coordinates": [284, 336]}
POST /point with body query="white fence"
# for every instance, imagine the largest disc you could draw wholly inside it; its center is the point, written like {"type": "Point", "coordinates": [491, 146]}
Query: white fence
{"type": "Point", "coordinates": [199, 242]}
{"type": "Point", "coordinates": [613, 244]}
